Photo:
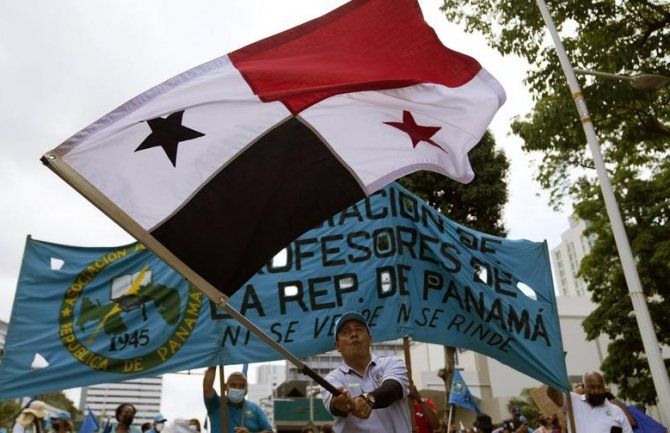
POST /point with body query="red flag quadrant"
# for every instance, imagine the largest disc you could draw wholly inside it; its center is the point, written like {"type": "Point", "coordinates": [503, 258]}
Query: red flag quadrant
{"type": "Point", "coordinates": [239, 156]}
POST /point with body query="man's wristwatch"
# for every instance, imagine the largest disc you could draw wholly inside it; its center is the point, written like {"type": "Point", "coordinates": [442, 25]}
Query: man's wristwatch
{"type": "Point", "coordinates": [369, 399]}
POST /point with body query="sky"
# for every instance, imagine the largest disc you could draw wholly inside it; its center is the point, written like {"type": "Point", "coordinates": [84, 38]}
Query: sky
{"type": "Point", "coordinates": [65, 63]}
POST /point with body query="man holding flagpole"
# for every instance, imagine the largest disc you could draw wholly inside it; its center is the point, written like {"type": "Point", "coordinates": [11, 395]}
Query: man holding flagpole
{"type": "Point", "coordinates": [373, 389]}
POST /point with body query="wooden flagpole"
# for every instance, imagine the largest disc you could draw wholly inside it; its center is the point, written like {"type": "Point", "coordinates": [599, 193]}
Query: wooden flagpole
{"type": "Point", "coordinates": [571, 414]}
{"type": "Point", "coordinates": [447, 375]}
{"type": "Point", "coordinates": [451, 410]}
{"type": "Point", "coordinates": [224, 400]}
{"type": "Point", "coordinates": [408, 364]}
{"type": "Point", "coordinates": [85, 188]}
{"type": "Point", "coordinates": [244, 402]}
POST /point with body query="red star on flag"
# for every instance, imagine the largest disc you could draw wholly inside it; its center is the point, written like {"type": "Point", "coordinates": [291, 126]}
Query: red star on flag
{"type": "Point", "coordinates": [416, 132]}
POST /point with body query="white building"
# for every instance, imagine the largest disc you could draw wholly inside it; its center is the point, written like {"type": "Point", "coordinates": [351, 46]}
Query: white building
{"type": "Point", "coordinates": [144, 394]}
{"type": "Point", "coordinates": [495, 383]}
{"type": "Point", "coordinates": [271, 374]}
{"type": "Point", "coordinates": [567, 256]}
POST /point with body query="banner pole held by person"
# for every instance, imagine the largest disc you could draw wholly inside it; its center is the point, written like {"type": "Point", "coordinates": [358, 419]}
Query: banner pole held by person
{"type": "Point", "coordinates": [408, 364]}
{"type": "Point", "coordinates": [224, 399]}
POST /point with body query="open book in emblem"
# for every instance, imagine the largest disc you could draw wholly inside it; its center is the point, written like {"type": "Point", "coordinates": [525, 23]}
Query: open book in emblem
{"type": "Point", "coordinates": [124, 290]}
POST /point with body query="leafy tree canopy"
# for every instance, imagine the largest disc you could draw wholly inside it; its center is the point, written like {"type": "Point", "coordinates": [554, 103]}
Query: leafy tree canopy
{"type": "Point", "coordinates": [59, 400]}
{"type": "Point", "coordinates": [525, 402]}
{"type": "Point", "coordinates": [477, 205]}
{"type": "Point", "coordinates": [8, 410]}
{"type": "Point", "coordinates": [617, 36]}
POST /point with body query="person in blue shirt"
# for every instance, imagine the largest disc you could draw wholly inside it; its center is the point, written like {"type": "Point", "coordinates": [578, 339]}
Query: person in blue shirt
{"type": "Point", "coordinates": [243, 416]}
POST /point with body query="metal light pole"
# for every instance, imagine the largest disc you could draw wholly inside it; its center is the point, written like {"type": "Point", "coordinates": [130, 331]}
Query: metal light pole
{"type": "Point", "coordinates": [639, 81]}
{"type": "Point", "coordinates": [656, 365]}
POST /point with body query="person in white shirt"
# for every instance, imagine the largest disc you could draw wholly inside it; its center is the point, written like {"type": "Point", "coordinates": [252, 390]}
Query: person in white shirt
{"type": "Point", "coordinates": [593, 412]}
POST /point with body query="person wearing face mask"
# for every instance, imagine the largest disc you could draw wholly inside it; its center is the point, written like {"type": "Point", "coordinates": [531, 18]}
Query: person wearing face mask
{"type": "Point", "coordinates": [125, 415]}
{"type": "Point", "coordinates": [158, 424]}
{"type": "Point", "coordinates": [243, 416]}
{"type": "Point", "coordinates": [593, 412]}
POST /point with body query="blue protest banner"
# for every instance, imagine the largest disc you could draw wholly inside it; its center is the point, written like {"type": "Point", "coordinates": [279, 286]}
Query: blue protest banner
{"type": "Point", "coordinates": [112, 314]}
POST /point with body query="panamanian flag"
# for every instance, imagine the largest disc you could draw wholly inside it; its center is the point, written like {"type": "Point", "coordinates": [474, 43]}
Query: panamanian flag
{"type": "Point", "coordinates": [237, 157]}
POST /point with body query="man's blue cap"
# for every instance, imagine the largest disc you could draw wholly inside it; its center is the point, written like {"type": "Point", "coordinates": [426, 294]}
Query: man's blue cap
{"type": "Point", "coordinates": [349, 315]}
{"type": "Point", "coordinates": [515, 410]}
{"type": "Point", "coordinates": [159, 418]}
{"type": "Point", "coordinates": [62, 415]}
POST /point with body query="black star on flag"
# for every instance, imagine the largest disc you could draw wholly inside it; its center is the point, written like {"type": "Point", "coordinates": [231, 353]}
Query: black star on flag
{"type": "Point", "coordinates": [168, 133]}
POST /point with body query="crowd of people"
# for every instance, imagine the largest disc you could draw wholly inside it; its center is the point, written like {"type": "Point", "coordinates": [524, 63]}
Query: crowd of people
{"type": "Point", "coordinates": [35, 418]}
{"type": "Point", "coordinates": [374, 396]}
{"type": "Point", "coordinates": [374, 392]}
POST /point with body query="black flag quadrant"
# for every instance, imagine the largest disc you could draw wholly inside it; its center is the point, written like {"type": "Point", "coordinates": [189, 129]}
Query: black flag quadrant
{"type": "Point", "coordinates": [286, 181]}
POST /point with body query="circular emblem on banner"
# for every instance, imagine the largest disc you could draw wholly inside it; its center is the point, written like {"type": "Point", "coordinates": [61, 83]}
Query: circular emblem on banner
{"type": "Point", "coordinates": [458, 387]}
{"type": "Point", "coordinates": [127, 317]}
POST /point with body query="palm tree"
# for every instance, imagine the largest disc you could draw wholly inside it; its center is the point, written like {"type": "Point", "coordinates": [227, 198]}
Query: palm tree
{"type": "Point", "coordinates": [526, 404]}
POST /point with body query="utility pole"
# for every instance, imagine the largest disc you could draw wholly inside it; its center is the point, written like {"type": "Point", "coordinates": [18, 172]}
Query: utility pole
{"type": "Point", "coordinates": [659, 373]}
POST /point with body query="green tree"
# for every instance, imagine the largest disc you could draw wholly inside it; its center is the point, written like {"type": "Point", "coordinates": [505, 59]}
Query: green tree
{"type": "Point", "coordinates": [617, 36]}
{"type": "Point", "coordinates": [8, 410]}
{"type": "Point", "coordinates": [59, 400]}
{"type": "Point", "coordinates": [480, 203]}
{"type": "Point", "coordinates": [526, 404]}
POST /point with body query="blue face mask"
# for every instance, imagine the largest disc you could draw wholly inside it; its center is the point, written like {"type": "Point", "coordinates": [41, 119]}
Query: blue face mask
{"type": "Point", "coordinates": [236, 395]}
